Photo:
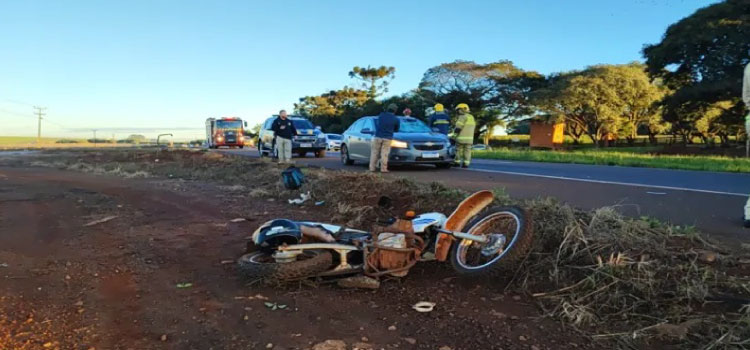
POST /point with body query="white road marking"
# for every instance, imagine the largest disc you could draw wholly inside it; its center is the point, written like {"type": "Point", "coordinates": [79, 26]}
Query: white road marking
{"type": "Point", "coordinates": [659, 193]}
{"type": "Point", "coordinates": [610, 182]}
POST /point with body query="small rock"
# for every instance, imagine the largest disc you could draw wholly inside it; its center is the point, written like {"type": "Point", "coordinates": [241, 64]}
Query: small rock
{"type": "Point", "coordinates": [411, 341]}
{"type": "Point", "coordinates": [47, 345]}
{"type": "Point", "coordinates": [534, 347]}
{"type": "Point", "coordinates": [78, 303]}
{"type": "Point", "coordinates": [392, 328]}
{"type": "Point", "coordinates": [163, 337]}
{"type": "Point", "coordinates": [445, 347]}
{"type": "Point", "coordinates": [330, 344]}
{"type": "Point", "coordinates": [362, 346]}
{"type": "Point", "coordinates": [517, 297]}
{"type": "Point", "coordinates": [522, 338]}
{"type": "Point", "coordinates": [365, 339]}
{"type": "Point", "coordinates": [707, 256]}
{"type": "Point", "coordinates": [269, 346]}
{"type": "Point", "coordinates": [67, 277]}
{"type": "Point", "coordinates": [498, 314]}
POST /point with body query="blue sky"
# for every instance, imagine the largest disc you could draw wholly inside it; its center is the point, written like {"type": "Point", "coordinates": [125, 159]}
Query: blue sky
{"type": "Point", "coordinates": [165, 66]}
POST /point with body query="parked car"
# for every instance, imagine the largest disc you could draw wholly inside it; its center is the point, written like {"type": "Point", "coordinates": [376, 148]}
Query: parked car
{"type": "Point", "coordinates": [308, 138]}
{"type": "Point", "coordinates": [414, 143]}
{"type": "Point", "coordinates": [333, 142]}
{"type": "Point", "coordinates": [481, 147]}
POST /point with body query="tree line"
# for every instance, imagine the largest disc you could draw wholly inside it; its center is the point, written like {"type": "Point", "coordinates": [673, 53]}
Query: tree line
{"type": "Point", "coordinates": [688, 86]}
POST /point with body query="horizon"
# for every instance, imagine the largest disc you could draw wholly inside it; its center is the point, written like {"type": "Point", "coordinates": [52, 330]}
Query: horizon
{"type": "Point", "coordinates": [168, 66]}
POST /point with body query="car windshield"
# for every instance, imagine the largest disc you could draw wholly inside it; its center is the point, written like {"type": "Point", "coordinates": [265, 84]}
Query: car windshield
{"type": "Point", "coordinates": [334, 137]}
{"type": "Point", "coordinates": [301, 124]}
{"type": "Point", "coordinates": [228, 124]}
{"type": "Point", "coordinates": [411, 125]}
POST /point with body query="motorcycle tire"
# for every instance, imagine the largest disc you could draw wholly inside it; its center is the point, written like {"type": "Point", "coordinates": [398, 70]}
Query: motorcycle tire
{"type": "Point", "coordinates": [260, 265]}
{"type": "Point", "coordinates": [515, 249]}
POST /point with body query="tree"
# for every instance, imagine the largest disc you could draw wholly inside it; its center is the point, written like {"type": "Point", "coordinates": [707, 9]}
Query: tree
{"type": "Point", "coordinates": [136, 139]}
{"type": "Point", "coordinates": [705, 53]}
{"type": "Point", "coordinates": [639, 97]}
{"type": "Point", "coordinates": [494, 91]}
{"type": "Point", "coordinates": [370, 77]}
{"type": "Point", "coordinates": [603, 100]}
{"type": "Point", "coordinates": [701, 58]}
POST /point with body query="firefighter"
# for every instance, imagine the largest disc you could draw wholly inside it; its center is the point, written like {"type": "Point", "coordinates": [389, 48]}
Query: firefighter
{"type": "Point", "coordinates": [439, 120]}
{"type": "Point", "coordinates": [464, 131]}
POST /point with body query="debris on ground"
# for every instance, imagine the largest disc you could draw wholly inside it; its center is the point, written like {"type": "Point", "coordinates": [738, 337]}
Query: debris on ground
{"type": "Point", "coordinates": [424, 306]}
{"type": "Point", "coordinates": [100, 221]}
{"type": "Point", "coordinates": [238, 220]}
{"type": "Point", "coordinates": [363, 282]}
{"type": "Point", "coordinates": [184, 285]}
{"type": "Point", "coordinates": [331, 344]}
{"type": "Point", "coordinates": [302, 199]}
{"type": "Point", "coordinates": [275, 306]}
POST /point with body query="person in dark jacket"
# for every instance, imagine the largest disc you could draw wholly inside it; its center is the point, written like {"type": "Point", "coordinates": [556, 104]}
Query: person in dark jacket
{"type": "Point", "coordinates": [386, 124]}
{"type": "Point", "coordinates": [283, 131]}
{"type": "Point", "coordinates": [439, 120]}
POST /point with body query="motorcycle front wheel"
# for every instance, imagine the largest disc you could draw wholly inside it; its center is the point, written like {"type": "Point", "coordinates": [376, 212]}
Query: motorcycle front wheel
{"type": "Point", "coordinates": [261, 265]}
{"type": "Point", "coordinates": [509, 234]}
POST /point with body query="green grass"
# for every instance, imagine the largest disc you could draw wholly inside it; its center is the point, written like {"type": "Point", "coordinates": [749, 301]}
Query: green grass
{"type": "Point", "coordinates": [622, 158]}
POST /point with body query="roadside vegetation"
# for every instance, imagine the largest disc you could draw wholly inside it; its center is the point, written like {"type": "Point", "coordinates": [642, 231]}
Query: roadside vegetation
{"type": "Point", "coordinates": [629, 283]}
{"type": "Point", "coordinates": [686, 91]}
{"type": "Point", "coordinates": [633, 157]}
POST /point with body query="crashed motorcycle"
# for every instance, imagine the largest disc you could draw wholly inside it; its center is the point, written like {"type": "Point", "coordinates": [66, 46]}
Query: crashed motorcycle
{"type": "Point", "coordinates": [476, 239]}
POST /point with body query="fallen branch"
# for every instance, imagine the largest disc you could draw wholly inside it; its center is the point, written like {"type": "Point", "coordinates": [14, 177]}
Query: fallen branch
{"type": "Point", "coordinates": [100, 221]}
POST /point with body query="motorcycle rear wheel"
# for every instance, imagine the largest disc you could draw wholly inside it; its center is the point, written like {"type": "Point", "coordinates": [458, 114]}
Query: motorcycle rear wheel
{"type": "Point", "coordinates": [472, 258]}
{"type": "Point", "coordinates": [261, 265]}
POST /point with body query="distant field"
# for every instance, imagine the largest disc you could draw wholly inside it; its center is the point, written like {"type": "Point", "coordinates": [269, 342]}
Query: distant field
{"type": "Point", "coordinates": [16, 142]}
{"type": "Point", "coordinates": [635, 158]}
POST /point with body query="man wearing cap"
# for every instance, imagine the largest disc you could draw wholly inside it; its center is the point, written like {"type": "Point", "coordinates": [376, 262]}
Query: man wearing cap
{"type": "Point", "coordinates": [380, 148]}
{"type": "Point", "coordinates": [439, 120]}
{"type": "Point", "coordinates": [464, 135]}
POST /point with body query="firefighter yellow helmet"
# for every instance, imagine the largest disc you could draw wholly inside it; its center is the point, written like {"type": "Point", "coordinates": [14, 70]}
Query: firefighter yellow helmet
{"type": "Point", "coordinates": [462, 106]}
{"type": "Point", "coordinates": [439, 107]}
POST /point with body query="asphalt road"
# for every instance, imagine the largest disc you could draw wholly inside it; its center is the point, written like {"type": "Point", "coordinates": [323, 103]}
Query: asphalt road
{"type": "Point", "coordinates": [711, 201]}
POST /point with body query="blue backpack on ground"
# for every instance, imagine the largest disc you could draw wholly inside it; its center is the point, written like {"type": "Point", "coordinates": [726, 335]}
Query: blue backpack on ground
{"type": "Point", "coordinates": [292, 177]}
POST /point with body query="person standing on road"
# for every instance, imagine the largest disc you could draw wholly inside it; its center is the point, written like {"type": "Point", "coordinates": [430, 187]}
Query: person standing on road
{"type": "Point", "coordinates": [380, 148]}
{"type": "Point", "coordinates": [439, 120]}
{"type": "Point", "coordinates": [464, 135]}
{"type": "Point", "coordinates": [283, 131]}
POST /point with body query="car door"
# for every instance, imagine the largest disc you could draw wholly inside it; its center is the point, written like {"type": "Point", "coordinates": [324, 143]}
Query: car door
{"type": "Point", "coordinates": [354, 139]}
{"type": "Point", "coordinates": [266, 134]}
{"type": "Point", "coordinates": [368, 133]}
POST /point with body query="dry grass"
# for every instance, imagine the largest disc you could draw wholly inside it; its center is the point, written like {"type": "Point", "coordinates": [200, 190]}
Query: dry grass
{"type": "Point", "coordinates": [627, 281]}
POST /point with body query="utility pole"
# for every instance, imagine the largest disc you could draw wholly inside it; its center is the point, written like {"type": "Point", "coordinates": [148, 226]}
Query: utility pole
{"type": "Point", "coordinates": [39, 111]}
{"type": "Point", "coordinates": [94, 130]}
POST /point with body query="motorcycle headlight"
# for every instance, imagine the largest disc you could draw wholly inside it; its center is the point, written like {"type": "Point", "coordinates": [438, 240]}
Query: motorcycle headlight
{"type": "Point", "coordinates": [399, 144]}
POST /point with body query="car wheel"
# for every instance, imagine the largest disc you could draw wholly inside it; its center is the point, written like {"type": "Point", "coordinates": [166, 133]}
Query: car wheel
{"type": "Point", "coordinates": [320, 153]}
{"type": "Point", "coordinates": [302, 154]}
{"type": "Point", "coordinates": [261, 154]}
{"type": "Point", "coordinates": [345, 156]}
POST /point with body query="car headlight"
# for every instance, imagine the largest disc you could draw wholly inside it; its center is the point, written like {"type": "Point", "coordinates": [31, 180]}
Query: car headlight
{"type": "Point", "coordinates": [219, 138]}
{"type": "Point", "coordinates": [399, 144]}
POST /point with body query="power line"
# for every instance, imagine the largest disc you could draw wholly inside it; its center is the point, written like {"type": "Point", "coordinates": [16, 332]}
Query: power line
{"type": "Point", "coordinates": [39, 113]}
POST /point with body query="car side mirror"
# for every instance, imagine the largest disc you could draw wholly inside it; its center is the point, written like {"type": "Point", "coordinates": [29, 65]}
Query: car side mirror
{"type": "Point", "coordinates": [367, 131]}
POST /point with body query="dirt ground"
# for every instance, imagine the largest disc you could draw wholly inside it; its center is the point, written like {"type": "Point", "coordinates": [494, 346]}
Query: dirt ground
{"type": "Point", "coordinates": [160, 275]}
